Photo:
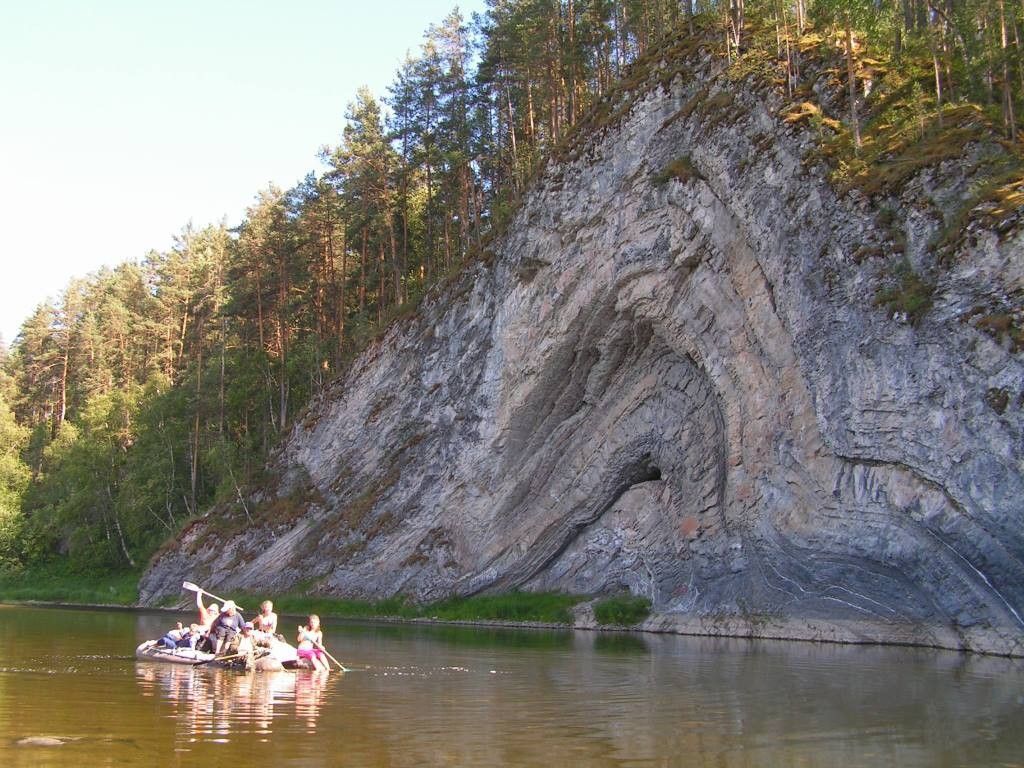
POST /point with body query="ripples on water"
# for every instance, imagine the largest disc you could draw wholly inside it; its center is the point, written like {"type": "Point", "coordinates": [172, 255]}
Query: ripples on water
{"type": "Point", "coordinates": [71, 695]}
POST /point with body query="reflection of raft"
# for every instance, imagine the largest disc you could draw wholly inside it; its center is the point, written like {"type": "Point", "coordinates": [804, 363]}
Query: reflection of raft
{"type": "Point", "coordinates": [277, 656]}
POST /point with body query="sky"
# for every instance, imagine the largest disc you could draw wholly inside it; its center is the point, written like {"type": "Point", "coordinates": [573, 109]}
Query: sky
{"type": "Point", "coordinates": [123, 120]}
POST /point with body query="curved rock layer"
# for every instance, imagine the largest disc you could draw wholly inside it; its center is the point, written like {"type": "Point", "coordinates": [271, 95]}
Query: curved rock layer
{"type": "Point", "coordinates": [683, 389]}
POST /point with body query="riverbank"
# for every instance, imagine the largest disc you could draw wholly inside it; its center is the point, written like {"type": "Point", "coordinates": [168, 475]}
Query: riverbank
{"type": "Point", "coordinates": [519, 610]}
{"type": "Point", "coordinates": [548, 609]}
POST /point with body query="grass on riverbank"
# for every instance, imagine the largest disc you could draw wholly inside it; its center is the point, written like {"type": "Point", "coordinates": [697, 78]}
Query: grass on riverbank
{"type": "Point", "coordinates": [623, 611]}
{"type": "Point", "coordinates": [63, 585]}
{"type": "Point", "coordinates": [66, 586]}
{"type": "Point", "coordinates": [544, 607]}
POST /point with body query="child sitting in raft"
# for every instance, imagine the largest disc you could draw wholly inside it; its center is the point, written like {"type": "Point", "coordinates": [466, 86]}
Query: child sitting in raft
{"type": "Point", "coordinates": [179, 637]}
{"type": "Point", "coordinates": [311, 641]}
{"type": "Point", "coordinates": [247, 646]}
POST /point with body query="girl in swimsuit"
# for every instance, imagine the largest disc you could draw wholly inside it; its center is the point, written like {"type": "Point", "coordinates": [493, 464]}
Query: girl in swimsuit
{"type": "Point", "coordinates": [311, 641]}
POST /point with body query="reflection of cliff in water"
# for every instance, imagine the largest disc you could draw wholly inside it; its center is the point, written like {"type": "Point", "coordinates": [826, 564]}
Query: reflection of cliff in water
{"type": "Point", "coordinates": [217, 705]}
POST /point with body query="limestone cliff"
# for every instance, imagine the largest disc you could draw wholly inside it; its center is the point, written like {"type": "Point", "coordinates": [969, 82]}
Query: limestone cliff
{"type": "Point", "coordinates": [677, 383]}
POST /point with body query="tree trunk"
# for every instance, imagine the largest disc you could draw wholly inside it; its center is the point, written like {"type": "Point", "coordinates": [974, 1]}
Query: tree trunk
{"type": "Point", "coordinates": [194, 474]}
{"type": "Point", "coordinates": [221, 385]}
{"type": "Point", "coordinates": [512, 137]}
{"type": "Point", "coordinates": [63, 411]}
{"type": "Point", "coordinates": [852, 80]}
{"type": "Point", "coordinates": [282, 382]}
{"type": "Point", "coordinates": [117, 526]}
{"type": "Point", "coordinates": [429, 214]}
{"type": "Point", "coordinates": [1008, 117]}
{"type": "Point", "coordinates": [571, 23]}
{"type": "Point", "coordinates": [380, 282]}
{"type": "Point", "coordinates": [259, 307]}
{"type": "Point", "coordinates": [395, 266]}
{"type": "Point", "coordinates": [342, 311]}
{"type": "Point", "coordinates": [938, 85]}
{"type": "Point", "coordinates": [1016, 48]}
{"type": "Point", "coordinates": [362, 273]}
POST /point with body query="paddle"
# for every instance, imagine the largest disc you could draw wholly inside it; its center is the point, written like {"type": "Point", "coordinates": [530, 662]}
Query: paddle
{"type": "Point", "coordinates": [327, 653]}
{"type": "Point", "coordinates": [219, 658]}
{"type": "Point", "coordinates": [196, 588]}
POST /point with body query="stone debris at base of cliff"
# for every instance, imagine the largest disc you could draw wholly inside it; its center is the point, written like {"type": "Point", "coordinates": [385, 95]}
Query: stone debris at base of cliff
{"type": "Point", "coordinates": [679, 386]}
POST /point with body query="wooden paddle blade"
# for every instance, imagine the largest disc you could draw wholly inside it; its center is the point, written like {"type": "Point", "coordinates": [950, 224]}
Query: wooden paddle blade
{"type": "Point", "coordinates": [196, 588]}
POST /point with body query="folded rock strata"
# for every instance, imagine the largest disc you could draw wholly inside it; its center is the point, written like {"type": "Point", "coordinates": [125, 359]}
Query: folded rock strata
{"type": "Point", "coordinates": [683, 389]}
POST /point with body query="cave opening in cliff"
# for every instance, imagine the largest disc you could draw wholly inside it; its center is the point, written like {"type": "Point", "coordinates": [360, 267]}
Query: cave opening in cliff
{"type": "Point", "coordinates": [646, 472]}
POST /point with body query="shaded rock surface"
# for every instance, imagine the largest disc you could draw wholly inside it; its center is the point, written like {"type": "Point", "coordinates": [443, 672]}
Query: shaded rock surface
{"type": "Point", "coordinates": [683, 389]}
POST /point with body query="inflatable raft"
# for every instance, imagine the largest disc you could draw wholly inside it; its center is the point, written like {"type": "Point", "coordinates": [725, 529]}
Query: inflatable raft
{"type": "Point", "coordinates": [278, 656]}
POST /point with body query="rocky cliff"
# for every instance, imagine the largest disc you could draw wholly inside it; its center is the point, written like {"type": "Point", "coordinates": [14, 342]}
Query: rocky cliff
{"type": "Point", "coordinates": [673, 377]}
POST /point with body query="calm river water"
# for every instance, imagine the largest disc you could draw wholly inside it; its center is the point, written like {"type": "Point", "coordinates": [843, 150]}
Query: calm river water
{"type": "Point", "coordinates": [71, 694]}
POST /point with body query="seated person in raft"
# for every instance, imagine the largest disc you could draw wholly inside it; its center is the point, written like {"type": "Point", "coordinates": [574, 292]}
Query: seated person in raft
{"type": "Point", "coordinates": [226, 626]}
{"type": "Point", "coordinates": [311, 643]}
{"type": "Point", "coordinates": [266, 622]}
{"type": "Point", "coordinates": [207, 614]}
{"type": "Point", "coordinates": [182, 637]}
{"type": "Point", "coordinates": [247, 646]}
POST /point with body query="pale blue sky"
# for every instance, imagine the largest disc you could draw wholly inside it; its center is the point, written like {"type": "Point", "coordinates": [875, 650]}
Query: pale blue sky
{"type": "Point", "coordinates": [121, 120]}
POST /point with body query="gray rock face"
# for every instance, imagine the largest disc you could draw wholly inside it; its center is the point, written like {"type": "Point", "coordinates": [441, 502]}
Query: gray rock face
{"type": "Point", "coordinates": [682, 389]}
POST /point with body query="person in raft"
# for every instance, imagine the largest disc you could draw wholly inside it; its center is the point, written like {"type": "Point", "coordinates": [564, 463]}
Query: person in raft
{"type": "Point", "coordinates": [267, 620]}
{"type": "Point", "coordinates": [247, 646]}
{"type": "Point", "coordinates": [182, 637]}
{"type": "Point", "coordinates": [226, 626]}
{"type": "Point", "coordinates": [207, 615]}
{"type": "Point", "coordinates": [311, 644]}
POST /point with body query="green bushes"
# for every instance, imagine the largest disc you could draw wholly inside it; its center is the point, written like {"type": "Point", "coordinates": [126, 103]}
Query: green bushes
{"type": "Point", "coordinates": [546, 607]}
{"type": "Point", "coordinates": [624, 610]}
{"type": "Point", "coordinates": [911, 294]}
{"type": "Point", "coordinates": [543, 607]}
{"type": "Point", "coordinates": [60, 584]}
{"type": "Point", "coordinates": [682, 169]}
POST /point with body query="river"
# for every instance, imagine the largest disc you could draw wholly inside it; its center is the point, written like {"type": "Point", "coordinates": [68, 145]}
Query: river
{"type": "Point", "coordinates": [72, 694]}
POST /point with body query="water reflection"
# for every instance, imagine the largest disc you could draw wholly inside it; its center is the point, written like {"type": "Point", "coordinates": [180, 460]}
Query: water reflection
{"type": "Point", "coordinates": [459, 696]}
{"type": "Point", "coordinates": [615, 642]}
{"type": "Point", "coordinates": [216, 705]}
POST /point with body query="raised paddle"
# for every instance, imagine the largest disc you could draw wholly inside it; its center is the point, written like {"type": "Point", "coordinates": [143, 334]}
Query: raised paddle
{"type": "Point", "coordinates": [196, 588]}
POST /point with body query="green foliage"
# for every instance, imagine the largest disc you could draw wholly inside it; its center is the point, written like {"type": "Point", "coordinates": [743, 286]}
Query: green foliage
{"type": "Point", "coordinates": [1002, 321]}
{"type": "Point", "coordinates": [547, 607]}
{"type": "Point", "coordinates": [14, 479]}
{"type": "Point", "coordinates": [622, 610]}
{"type": "Point", "coordinates": [541, 607]}
{"type": "Point", "coordinates": [57, 583]}
{"type": "Point", "coordinates": [907, 292]}
{"type": "Point", "coordinates": [682, 169]}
